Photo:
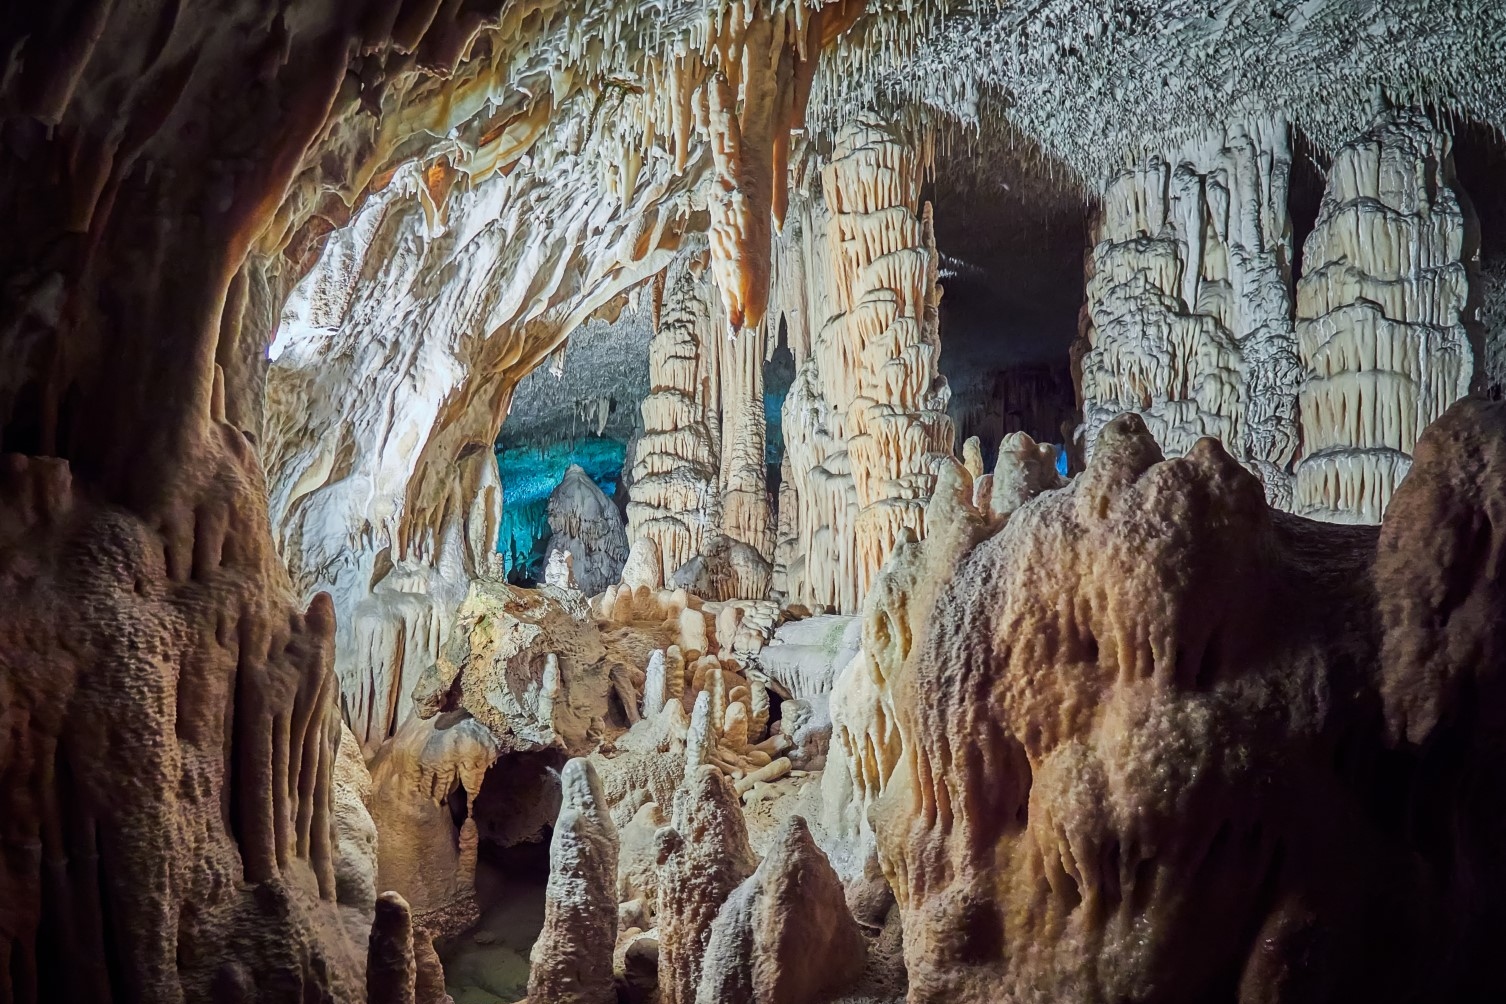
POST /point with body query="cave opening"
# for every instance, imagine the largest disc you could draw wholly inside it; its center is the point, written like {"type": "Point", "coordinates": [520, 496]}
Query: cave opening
{"type": "Point", "coordinates": [1479, 153]}
{"type": "Point", "coordinates": [778, 376]}
{"type": "Point", "coordinates": [577, 409]}
{"type": "Point", "coordinates": [1010, 236]}
{"type": "Point", "coordinates": [487, 962]}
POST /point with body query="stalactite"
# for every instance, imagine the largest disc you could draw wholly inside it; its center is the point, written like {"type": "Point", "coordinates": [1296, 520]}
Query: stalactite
{"type": "Point", "coordinates": [1380, 310]}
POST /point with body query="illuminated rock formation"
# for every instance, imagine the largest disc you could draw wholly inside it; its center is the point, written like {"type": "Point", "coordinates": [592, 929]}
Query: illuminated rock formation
{"type": "Point", "coordinates": [422, 853]}
{"type": "Point", "coordinates": [589, 528]}
{"type": "Point", "coordinates": [1189, 302]}
{"type": "Point", "coordinates": [866, 415]}
{"type": "Point", "coordinates": [784, 936]}
{"type": "Point", "coordinates": [572, 959]}
{"type": "Point", "coordinates": [1148, 769]}
{"type": "Point", "coordinates": [1380, 308]}
{"type": "Point", "coordinates": [673, 496]}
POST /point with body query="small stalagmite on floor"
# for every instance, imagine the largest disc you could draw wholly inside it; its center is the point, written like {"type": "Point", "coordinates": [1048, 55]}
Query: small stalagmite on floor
{"type": "Point", "coordinates": [785, 935]}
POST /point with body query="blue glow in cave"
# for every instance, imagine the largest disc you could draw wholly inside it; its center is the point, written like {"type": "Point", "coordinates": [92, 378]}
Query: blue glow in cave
{"type": "Point", "coordinates": [1061, 460]}
{"type": "Point", "coordinates": [529, 474]}
{"type": "Point", "coordinates": [773, 413]}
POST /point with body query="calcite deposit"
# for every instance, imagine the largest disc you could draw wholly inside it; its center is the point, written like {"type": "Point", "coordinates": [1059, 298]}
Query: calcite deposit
{"type": "Point", "coordinates": [1165, 666]}
{"type": "Point", "coordinates": [1152, 705]}
{"type": "Point", "coordinates": [1381, 310]}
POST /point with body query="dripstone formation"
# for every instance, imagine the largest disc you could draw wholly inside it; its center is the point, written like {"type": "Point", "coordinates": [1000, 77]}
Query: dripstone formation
{"type": "Point", "coordinates": [1049, 546]}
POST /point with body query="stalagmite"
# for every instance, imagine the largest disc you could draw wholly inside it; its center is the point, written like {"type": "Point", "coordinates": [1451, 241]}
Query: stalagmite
{"type": "Point", "coordinates": [391, 975]}
{"type": "Point", "coordinates": [1380, 306]}
{"type": "Point", "coordinates": [703, 856]}
{"type": "Point", "coordinates": [644, 565]}
{"type": "Point", "coordinates": [1189, 302]}
{"type": "Point", "coordinates": [588, 528]}
{"type": "Point", "coordinates": [785, 935]}
{"type": "Point", "coordinates": [572, 959]}
{"type": "Point", "coordinates": [656, 685]}
{"type": "Point", "coordinates": [1023, 471]}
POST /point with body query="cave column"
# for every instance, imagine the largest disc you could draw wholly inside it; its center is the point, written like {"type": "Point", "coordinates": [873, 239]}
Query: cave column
{"type": "Point", "coordinates": [866, 416]}
{"type": "Point", "coordinates": [675, 467]}
{"type": "Point", "coordinates": [1188, 319]}
{"type": "Point", "coordinates": [1380, 311]}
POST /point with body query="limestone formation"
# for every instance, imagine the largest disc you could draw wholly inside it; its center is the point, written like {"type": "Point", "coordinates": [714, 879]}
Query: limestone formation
{"type": "Point", "coordinates": [866, 416]}
{"type": "Point", "coordinates": [1107, 824]}
{"type": "Point", "coordinates": [530, 665]}
{"type": "Point", "coordinates": [785, 935]}
{"type": "Point", "coordinates": [644, 565]}
{"type": "Point", "coordinates": [1190, 305]}
{"type": "Point", "coordinates": [422, 852]}
{"type": "Point", "coordinates": [672, 500]}
{"type": "Point", "coordinates": [572, 959]}
{"type": "Point", "coordinates": [588, 527]}
{"type": "Point", "coordinates": [806, 655]}
{"type": "Point", "coordinates": [703, 856]}
{"type": "Point", "coordinates": [273, 271]}
{"type": "Point", "coordinates": [1381, 308]}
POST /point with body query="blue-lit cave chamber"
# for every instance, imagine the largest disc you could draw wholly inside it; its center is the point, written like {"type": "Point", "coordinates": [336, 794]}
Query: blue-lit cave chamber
{"type": "Point", "coordinates": [579, 409]}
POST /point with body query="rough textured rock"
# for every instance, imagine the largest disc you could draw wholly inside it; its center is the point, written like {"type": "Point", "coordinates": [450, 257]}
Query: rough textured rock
{"type": "Point", "coordinates": [422, 853]}
{"type": "Point", "coordinates": [1381, 308]}
{"type": "Point", "coordinates": [703, 856]}
{"type": "Point", "coordinates": [806, 655]}
{"type": "Point", "coordinates": [1188, 718]}
{"type": "Point", "coordinates": [529, 664]}
{"type": "Point", "coordinates": [784, 936]}
{"type": "Point", "coordinates": [588, 527]}
{"type": "Point", "coordinates": [572, 959]}
{"type": "Point", "coordinates": [355, 832]}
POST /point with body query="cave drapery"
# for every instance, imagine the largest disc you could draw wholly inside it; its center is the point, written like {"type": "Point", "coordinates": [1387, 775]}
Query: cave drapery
{"type": "Point", "coordinates": [1158, 724]}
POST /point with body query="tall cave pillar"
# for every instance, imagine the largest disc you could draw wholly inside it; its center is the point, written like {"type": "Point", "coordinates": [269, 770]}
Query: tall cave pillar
{"type": "Point", "coordinates": [1188, 319]}
{"type": "Point", "coordinates": [673, 498]}
{"type": "Point", "coordinates": [1380, 309]}
{"type": "Point", "coordinates": [866, 417]}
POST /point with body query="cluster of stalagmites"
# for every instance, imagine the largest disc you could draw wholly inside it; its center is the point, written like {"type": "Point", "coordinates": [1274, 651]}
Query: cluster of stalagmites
{"type": "Point", "coordinates": [1148, 738]}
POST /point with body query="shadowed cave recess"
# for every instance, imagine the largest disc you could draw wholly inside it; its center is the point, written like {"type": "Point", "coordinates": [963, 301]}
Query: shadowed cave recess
{"type": "Point", "coordinates": [752, 502]}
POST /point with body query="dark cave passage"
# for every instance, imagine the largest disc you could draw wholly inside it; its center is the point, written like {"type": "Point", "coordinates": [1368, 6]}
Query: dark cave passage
{"type": "Point", "coordinates": [487, 963]}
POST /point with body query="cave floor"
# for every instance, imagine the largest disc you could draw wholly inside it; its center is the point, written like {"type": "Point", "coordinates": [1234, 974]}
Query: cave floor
{"type": "Point", "coordinates": [488, 963]}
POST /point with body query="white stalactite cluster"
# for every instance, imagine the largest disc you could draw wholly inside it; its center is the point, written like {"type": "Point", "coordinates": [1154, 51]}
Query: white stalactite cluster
{"type": "Point", "coordinates": [866, 417]}
{"type": "Point", "coordinates": [1380, 308]}
{"type": "Point", "coordinates": [1189, 303]}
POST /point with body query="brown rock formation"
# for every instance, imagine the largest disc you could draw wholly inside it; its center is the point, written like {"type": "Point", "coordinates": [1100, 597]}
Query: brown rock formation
{"type": "Point", "coordinates": [1157, 741]}
{"type": "Point", "coordinates": [785, 935]}
{"type": "Point", "coordinates": [703, 857]}
{"type": "Point", "coordinates": [572, 959]}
